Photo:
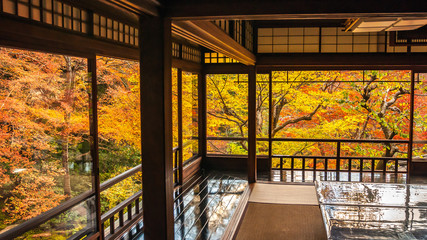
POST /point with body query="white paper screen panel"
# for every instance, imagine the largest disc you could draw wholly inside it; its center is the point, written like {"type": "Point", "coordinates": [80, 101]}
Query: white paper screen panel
{"type": "Point", "coordinates": [326, 40]}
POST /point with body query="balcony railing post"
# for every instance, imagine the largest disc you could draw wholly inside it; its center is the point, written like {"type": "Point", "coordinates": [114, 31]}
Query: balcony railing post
{"type": "Point", "coordinates": [252, 160]}
{"type": "Point", "coordinates": [411, 126]}
{"type": "Point", "coordinates": [180, 153]}
{"type": "Point", "coordinates": [338, 160]}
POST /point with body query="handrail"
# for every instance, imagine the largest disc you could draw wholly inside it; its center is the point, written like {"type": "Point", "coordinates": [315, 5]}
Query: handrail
{"type": "Point", "coordinates": [339, 140]}
{"type": "Point", "coordinates": [110, 213]}
{"type": "Point", "coordinates": [46, 216]}
{"type": "Point", "coordinates": [315, 140]}
{"type": "Point", "coordinates": [175, 149]}
{"type": "Point", "coordinates": [38, 220]}
{"type": "Point", "coordinates": [340, 157]}
{"type": "Point", "coordinates": [112, 181]}
{"type": "Point", "coordinates": [228, 138]}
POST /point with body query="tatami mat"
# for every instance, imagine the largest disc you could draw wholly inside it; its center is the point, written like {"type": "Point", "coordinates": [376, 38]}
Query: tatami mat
{"type": "Point", "coordinates": [284, 194]}
{"type": "Point", "coordinates": [280, 221]}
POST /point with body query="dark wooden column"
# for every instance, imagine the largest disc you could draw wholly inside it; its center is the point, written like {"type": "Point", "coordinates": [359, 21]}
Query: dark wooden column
{"type": "Point", "coordinates": [252, 162]}
{"type": "Point", "coordinates": [411, 128]}
{"type": "Point", "coordinates": [156, 110]}
{"type": "Point", "coordinates": [202, 114]}
{"type": "Point", "coordinates": [94, 148]}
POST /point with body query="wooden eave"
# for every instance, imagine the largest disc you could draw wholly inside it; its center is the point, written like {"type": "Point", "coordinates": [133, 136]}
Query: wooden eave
{"type": "Point", "coordinates": [207, 34]}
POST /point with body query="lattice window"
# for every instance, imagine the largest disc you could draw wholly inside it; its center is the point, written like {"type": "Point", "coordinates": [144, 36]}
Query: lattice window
{"type": "Point", "coordinates": [66, 16]}
{"type": "Point", "coordinates": [214, 57]}
{"type": "Point", "coordinates": [326, 40]}
{"type": "Point", "coordinates": [249, 36]}
{"type": "Point", "coordinates": [336, 40]}
{"type": "Point", "coordinates": [175, 49]}
{"type": "Point", "coordinates": [191, 54]}
{"type": "Point", "coordinates": [51, 12]}
{"type": "Point", "coordinates": [238, 31]}
{"type": "Point", "coordinates": [223, 24]}
{"type": "Point", "coordinates": [292, 40]}
{"type": "Point", "coordinates": [111, 29]}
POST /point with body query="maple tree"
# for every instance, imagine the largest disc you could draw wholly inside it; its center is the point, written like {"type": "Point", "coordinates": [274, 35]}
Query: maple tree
{"type": "Point", "coordinates": [314, 104]}
{"type": "Point", "coordinates": [44, 118]}
{"type": "Point", "coordinates": [119, 126]}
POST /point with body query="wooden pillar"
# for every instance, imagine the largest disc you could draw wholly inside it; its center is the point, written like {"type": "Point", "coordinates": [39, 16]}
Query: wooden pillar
{"type": "Point", "coordinates": [252, 162]}
{"type": "Point", "coordinates": [94, 147]}
{"type": "Point", "coordinates": [180, 146]}
{"type": "Point", "coordinates": [411, 128]}
{"type": "Point", "coordinates": [202, 114]}
{"type": "Point", "coordinates": [156, 127]}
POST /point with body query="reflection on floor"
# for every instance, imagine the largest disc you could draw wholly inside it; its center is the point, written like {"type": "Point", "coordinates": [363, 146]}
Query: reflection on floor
{"type": "Point", "coordinates": [205, 210]}
{"type": "Point", "coordinates": [373, 210]}
{"type": "Point", "coordinates": [308, 176]}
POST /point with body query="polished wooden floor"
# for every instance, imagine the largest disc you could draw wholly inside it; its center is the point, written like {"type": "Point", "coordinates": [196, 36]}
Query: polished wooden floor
{"type": "Point", "coordinates": [282, 212]}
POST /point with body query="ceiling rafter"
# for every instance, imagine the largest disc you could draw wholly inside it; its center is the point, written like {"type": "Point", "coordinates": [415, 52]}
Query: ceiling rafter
{"type": "Point", "coordinates": [207, 34]}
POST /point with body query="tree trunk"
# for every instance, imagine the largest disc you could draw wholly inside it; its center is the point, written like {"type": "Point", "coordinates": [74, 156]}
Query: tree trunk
{"type": "Point", "coordinates": [67, 180]}
{"type": "Point", "coordinates": [68, 100]}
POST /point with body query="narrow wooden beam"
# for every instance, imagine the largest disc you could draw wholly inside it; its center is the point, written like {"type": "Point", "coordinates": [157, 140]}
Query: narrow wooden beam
{"type": "Point", "coordinates": [338, 61]}
{"type": "Point", "coordinates": [292, 9]}
{"type": "Point", "coordinates": [252, 162]}
{"type": "Point", "coordinates": [156, 110]}
{"type": "Point", "coordinates": [207, 34]}
{"type": "Point", "coordinates": [186, 65]}
{"type": "Point", "coordinates": [148, 7]}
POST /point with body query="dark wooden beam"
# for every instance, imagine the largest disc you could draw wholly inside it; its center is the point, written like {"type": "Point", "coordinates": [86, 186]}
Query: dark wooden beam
{"type": "Point", "coordinates": [292, 9]}
{"type": "Point", "coordinates": [24, 34]}
{"type": "Point", "coordinates": [107, 9]}
{"type": "Point", "coordinates": [339, 61]}
{"type": "Point", "coordinates": [252, 163]}
{"type": "Point", "coordinates": [148, 7]}
{"type": "Point", "coordinates": [187, 66]}
{"type": "Point", "coordinates": [226, 68]}
{"type": "Point", "coordinates": [207, 34]}
{"type": "Point", "coordinates": [156, 110]}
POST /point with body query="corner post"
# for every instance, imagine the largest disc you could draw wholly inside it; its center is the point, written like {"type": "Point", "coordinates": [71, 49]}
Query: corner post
{"type": "Point", "coordinates": [156, 127]}
{"type": "Point", "coordinates": [252, 161]}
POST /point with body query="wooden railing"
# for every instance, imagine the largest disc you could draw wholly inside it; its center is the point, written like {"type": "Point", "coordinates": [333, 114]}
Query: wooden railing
{"type": "Point", "coordinates": [124, 221]}
{"type": "Point", "coordinates": [177, 166]}
{"type": "Point", "coordinates": [115, 222]}
{"type": "Point", "coordinates": [338, 162]}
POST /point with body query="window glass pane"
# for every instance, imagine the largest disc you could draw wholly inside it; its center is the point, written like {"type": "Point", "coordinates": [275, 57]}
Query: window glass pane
{"type": "Point", "coordinates": [227, 112]}
{"type": "Point", "coordinates": [119, 126]}
{"type": "Point", "coordinates": [190, 130]}
{"type": "Point", "coordinates": [420, 112]}
{"type": "Point", "coordinates": [44, 132]}
{"type": "Point", "coordinates": [78, 222]}
{"type": "Point", "coordinates": [356, 105]}
{"type": "Point", "coordinates": [175, 106]}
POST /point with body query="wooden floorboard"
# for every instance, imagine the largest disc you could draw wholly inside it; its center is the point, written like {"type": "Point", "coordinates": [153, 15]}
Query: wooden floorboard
{"type": "Point", "coordinates": [281, 221]}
